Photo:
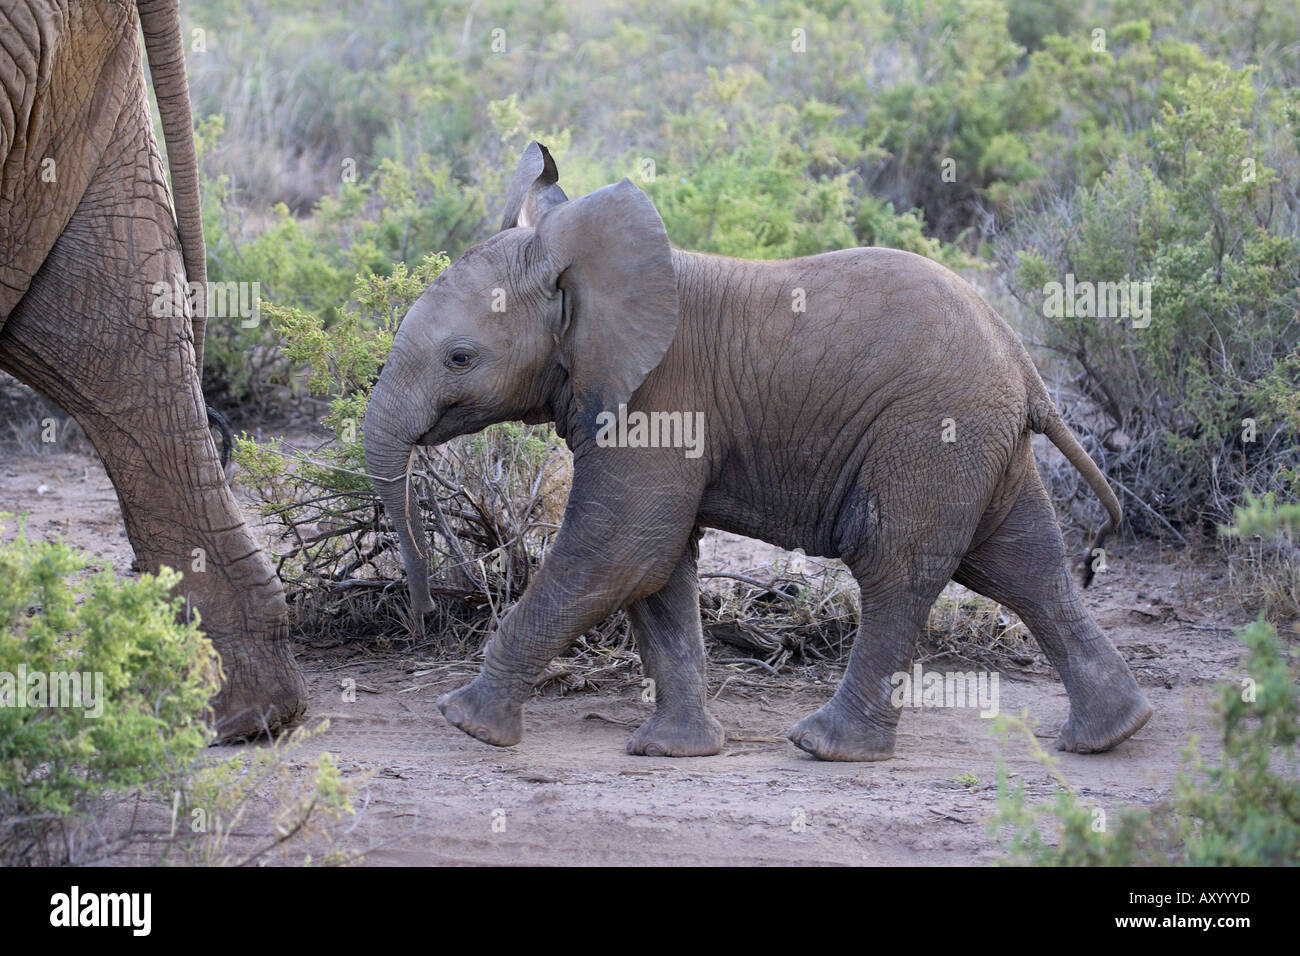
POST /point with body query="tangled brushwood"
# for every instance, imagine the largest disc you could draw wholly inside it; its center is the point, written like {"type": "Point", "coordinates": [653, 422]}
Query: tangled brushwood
{"type": "Point", "coordinates": [489, 504]}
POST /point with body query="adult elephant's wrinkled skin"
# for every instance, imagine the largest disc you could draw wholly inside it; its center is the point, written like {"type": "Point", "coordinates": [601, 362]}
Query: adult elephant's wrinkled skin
{"type": "Point", "coordinates": [865, 405]}
{"type": "Point", "coordinates": [87, 236]}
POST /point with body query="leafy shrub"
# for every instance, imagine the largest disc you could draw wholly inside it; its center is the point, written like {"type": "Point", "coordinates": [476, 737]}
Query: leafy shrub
{"type": "Point", "coordinates": [390, 215]}
{"type": "Point", "coordinates": [1243, 812]}
{"type": "Point", "coordinates": [139, 728]}
{"type": "Point", "coordinates": [1194, 410]}
{"type": "Point", "coordinates": [157, 674]}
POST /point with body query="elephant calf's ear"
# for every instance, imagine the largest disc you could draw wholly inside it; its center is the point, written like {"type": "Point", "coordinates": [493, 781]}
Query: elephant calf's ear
{"type": "Point", "coordinates": [608, 253]}
{"type": "Point", "coordinates": [534, 189]}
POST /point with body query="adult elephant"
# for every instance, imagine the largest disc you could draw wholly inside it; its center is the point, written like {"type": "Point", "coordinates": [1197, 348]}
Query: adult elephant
{"type": "Point", "coordinates": [866, 405]}
{"type": "Point", "coordinates": [87, 237]}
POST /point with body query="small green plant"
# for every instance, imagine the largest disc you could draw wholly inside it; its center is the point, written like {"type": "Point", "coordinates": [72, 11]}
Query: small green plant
{"type": "Point", "coordinates": [217, 804]}
{"type": "Point", "coordinates": [1263, 560]}
{"type": "Point", "coordinates": [1083, 835]}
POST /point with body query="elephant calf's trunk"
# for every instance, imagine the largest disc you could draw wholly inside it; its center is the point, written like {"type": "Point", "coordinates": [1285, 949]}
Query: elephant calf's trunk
{"type": "Point", "coordinates": [389, 465]}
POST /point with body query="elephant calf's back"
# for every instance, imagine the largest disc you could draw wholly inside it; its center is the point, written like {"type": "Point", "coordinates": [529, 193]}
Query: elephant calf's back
{"type": "Point", "coordinates": [857, 371]}
{"type": "Point", "coordinates": [870, 329]}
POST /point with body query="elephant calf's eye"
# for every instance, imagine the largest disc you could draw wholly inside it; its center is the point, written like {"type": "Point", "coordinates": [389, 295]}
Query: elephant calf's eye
{"type": "Point", "coordinates": [459, 358]}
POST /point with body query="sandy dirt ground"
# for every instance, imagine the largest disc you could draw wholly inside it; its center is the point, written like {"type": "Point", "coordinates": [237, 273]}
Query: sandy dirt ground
{"type": "Point", "coordinates": [568, 794]}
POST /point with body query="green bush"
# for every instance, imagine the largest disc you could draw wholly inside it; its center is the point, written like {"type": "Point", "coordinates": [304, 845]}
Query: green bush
{"type": "Point", "coordinates": [1020, 95]}
{"type": "Point", "coordinates": [1195, 409]}
{"type": "Point", "coordinates": [140, 728]}
{"type": "Point", "coordinates": [260, 808]}
{"type": "Point", "coordinates": [394, 213]}
{"type": "Point", "coordinates": [1245, 811]}
{"type": "Point", "coordinates": [127, 637]}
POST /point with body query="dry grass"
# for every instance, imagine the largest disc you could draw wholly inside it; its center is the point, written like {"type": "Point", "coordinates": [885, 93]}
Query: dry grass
{"type": "Point", "coordinates": [26, 418]}
{"type": "Point", "coordinates": [1265, 576]}
{"type": "Point", "coordinates": [967, 627]}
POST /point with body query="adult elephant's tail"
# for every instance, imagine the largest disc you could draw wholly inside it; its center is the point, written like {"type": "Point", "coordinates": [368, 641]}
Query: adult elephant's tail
{"type": "Point", "coordinates": [161, 23]}
{"type": "Point", "coordinates": [1048, 421]}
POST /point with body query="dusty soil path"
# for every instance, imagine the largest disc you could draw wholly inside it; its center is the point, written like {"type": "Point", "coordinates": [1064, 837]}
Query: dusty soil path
{"type": "Point", "coordinates": [570, 795]}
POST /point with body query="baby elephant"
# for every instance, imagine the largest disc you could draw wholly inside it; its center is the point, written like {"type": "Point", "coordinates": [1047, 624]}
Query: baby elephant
{"type": "Point", "coordinates": [865, 405]}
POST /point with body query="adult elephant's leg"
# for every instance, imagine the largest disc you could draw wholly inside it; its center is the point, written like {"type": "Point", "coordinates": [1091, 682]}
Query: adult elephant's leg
{"type": "Point", "coordinates": [85, 334]}
{"type": "Point", "coordinates": [668, 634]}
{"type": "Point", "coordinates": [622, 536]}
{"type": "Point", "coordinates": [1023, 565]}
{"type": "Point", "coordinates": [130, 382]}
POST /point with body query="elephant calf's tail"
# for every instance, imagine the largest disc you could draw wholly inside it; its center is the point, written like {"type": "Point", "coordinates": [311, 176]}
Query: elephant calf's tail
{"type": "Point", "coordinates": [1060, 435]}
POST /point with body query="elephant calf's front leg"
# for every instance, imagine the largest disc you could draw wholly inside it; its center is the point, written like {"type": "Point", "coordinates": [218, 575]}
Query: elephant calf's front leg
{"type": "Point", "coordinates": [668, 633]}
{"type": "Point", "coordinates": [588, 575]}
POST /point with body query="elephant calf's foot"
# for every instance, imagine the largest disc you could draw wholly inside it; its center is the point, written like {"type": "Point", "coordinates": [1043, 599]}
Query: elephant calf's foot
{"type": "Point", "coordinates": [1103, 724]}
{"type": "Point", "coordinates": [483, 714]}
{"type": "Point", "coordinates": [675, 735]}
{"type": "Point", "coordinates": [834, 734]}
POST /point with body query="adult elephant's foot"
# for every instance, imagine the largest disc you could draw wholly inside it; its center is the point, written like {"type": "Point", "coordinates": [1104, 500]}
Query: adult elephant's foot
{"type": "Point", "coordinates": [678, 735]}
{"type": "Point", "coordinates": [1104, 722]}
{"type": "Point", "coordinates": [484, 714]}
{"type": "Point", "coordinates": [260, 695]}
{"type": "Point", "coordinates": [833, 733]}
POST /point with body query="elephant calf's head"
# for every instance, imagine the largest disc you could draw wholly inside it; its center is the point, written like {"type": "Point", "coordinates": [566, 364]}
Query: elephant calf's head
{"type": "Point", "coordinates": [581, 290]}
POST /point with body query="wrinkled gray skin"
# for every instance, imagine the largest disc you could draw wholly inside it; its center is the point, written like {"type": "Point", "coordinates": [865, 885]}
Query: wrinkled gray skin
{"type": "Point", "coordinates": [83, 240]}
{"type": "Point", "coordinates": [823, 431]}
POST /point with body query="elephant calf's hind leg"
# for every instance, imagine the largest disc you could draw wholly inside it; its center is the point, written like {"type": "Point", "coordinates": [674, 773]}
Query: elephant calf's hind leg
{"type": "Point", "coordinates": [668, 634]}
{"type": "Point", "coordinates": [1023, 566]}
{"type": "Point", "coordinates": [860, 722]}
